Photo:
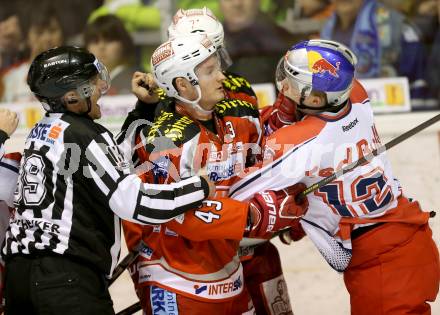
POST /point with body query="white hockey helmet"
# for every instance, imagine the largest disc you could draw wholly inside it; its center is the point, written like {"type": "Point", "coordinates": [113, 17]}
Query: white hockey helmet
{"type": "Point", "coordinates": [178, 58]}
{"type": "Point", "coordinates": [202, 20]}
{"type": "Point", "coordinates": [317, 65]}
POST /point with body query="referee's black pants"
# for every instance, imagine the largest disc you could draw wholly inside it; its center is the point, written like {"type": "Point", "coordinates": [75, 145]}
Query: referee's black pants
{"type": "Point", "coordinates": [54, 285]}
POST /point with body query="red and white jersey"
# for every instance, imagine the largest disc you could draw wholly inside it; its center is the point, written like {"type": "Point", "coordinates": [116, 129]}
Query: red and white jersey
{"type": "Point", "coordinates": [196, 255]}
{"type": "Point", "coordinates": [313, 149]}
{"type": "Point", "coordinates": [9, 168]}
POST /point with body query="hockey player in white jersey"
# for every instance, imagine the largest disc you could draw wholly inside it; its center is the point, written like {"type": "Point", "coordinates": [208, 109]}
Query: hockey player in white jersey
{"type": "Point", "coordinates": [362, 223]}
{"type": "Point", "coordinates": [8, 124]}
{"type": "Point", "coordinates": [9, 164]}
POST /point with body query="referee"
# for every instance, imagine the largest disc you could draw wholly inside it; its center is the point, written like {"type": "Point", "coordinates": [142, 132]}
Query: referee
{"type": "Point", "coordinates": [74, 184]}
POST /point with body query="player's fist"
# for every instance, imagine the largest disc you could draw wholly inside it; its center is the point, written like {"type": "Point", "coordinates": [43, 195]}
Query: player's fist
{"type": "Point", "coordinates": [144, 87]}
{"type": "Point", "coordinates": [8, 121]}
{"type": "Point", "coordinates": [283, 112]}
{"type": "Point", "coordinates": [271, 211]}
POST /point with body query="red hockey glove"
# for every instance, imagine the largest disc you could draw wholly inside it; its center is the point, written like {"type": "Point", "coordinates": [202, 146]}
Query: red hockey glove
{"type": "Point", "coordinates": [272, 211]}
{"type": "Point", "coordinates": [283, 112]}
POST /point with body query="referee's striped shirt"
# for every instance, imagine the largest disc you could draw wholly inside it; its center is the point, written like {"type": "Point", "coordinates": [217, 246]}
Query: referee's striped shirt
{"type": "Point", "coordinates": [73, 186]}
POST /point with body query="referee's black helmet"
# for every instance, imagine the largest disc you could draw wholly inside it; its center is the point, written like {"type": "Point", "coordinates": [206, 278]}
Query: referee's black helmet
{"type": "Point", "coordinates": [59, 70]}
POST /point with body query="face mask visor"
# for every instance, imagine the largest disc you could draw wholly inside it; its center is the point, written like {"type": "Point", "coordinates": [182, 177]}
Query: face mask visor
{"type": "Point", "coordinates": [225, 59]}
{"type": "Point", "coordinates": [103, 81]}
{"type": "Point", "coordinates": [290, 87]}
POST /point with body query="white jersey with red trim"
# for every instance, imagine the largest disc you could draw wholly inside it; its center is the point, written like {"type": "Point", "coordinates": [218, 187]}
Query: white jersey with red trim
{"type": "Point", "coordinates": [313, 149]}
{"type": "Point", "coordinates": [9, 166]}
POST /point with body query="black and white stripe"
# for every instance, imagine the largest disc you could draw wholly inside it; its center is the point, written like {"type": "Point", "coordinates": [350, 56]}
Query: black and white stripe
{"type": "Point", "coordinates": [78, 214]}
{"type": "Point", "coordinates": [135, 201]}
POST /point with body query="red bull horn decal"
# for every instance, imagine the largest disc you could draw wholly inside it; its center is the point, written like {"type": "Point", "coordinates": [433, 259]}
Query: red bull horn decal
{"type": "Point", "coordinates": [318, 64]}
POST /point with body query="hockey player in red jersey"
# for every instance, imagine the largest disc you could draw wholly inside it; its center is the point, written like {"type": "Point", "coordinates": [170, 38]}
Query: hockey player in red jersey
{"type": "Point", "coordinates": [197, 130]}
{"type": "Point", "coordinates": [236, 87]}
{"type": "Point", "coordinates": [265, 270]}
{"type": "Point", "coordinates": [361, 223]}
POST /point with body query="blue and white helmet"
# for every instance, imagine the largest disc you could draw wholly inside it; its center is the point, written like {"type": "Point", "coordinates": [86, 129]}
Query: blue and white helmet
{"type": "Point", "coordinates": [317, 65]}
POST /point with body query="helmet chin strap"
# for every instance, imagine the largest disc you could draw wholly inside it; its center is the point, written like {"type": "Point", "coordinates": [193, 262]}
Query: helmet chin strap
{"type": "Point", "coordinates": [195, 104]}
{"type": "Point", "coordinates": [89, 106]}
{"type": "Point", "coordinates": [325, 108]}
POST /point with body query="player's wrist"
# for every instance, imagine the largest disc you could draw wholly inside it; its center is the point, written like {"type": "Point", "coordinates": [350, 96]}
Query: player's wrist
{"type": "Point", "coordinates": [207, 189]}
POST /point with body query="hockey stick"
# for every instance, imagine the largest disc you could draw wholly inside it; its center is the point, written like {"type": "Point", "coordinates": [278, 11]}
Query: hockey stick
{"type": "Point", "coordinates": [131, 309]}
{"type": "Point", "coordinates": [127, 261]}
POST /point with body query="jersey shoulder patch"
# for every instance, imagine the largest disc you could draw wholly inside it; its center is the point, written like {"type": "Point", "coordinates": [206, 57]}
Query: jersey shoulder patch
{"type": "Point", "coordinates": [236, 108]}
{"type": "Point", "coordinates": [168, 131]}
{"type": "Point", "coordinates": [236, 83]}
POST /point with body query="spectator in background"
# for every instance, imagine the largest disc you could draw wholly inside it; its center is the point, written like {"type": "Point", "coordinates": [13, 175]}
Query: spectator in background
{"type": "Point", "coordinates": [145, 15]}
{"type": "Point", "coordinates": [11, 40]}
{"type": "Point", "coordinates": [433, 72]}
{"type": "Point", "coordinates": [42, 31]}
{"type": "Point", "coordinates": [138, 14]}
{"type": "Point", "coordinates": [73, 25]}
{"type": "Point", "coordinates": [311, 11]}
{"type": "Point", "coordinates": [315, 9]}
{"type": "Point", "coordinates": [107, 38]}
{"type": "Point", "coordinates": [406, 7]}
{"type": "Point", "coordinates": [276, 9]}
{"type": "Point", "coordinates": [385, 44]}
{"type": "Point", "coordinates": [425, 18]}
{"type": "Point", "coordinates": [254, 42]}
{"type": "Point", "coordinates": [421, 13]}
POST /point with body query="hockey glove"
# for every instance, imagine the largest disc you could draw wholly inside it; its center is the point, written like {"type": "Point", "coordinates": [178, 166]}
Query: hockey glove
{"type": "Point", "coordinates": [282, 113]}
{"type": "Point", "coordinates": [271, 211]}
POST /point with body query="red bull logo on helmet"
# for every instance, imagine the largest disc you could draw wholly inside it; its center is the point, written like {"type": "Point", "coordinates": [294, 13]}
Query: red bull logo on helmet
{"type": "Point", "coordinates": [318, 64]}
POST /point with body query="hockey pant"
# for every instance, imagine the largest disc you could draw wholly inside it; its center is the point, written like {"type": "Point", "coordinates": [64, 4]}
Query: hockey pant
{"type": "Point", "coordinates": [265, 282]}
{"type": "Point", "coordinates": [53, 285]}
{"type": "Point", "coordinates": [394, 271]}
